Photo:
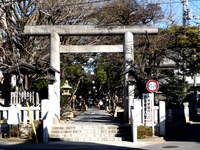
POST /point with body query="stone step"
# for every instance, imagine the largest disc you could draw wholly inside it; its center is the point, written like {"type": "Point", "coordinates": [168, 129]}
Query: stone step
{"type": "Point", "coordinates": [93, 132]}
{"type": "Point", "coordinates": [89, 139]}
{"type": "Point", "coordinates": [68, 132]}
{"type": "Point", "coordinates": [82, 135]}
{"type": "Point", "coordinates": [90, 127]}
{"type": "Point", "coordinates": [90, 134]}
{"type": "Point", "coordinates": [76, 127]}
{"type": "Point", "coordinates": [90, 131]}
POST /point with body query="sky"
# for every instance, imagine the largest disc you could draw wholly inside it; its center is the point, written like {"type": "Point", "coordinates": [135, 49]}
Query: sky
{"type": "Point", "coordinates": [174, 9]}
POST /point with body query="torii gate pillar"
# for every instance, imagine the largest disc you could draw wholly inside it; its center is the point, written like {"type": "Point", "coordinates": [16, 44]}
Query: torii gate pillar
{"type": "Point", "coordinates": [54, 89]}
{"type": "Point", "coordinates": [128, 88]}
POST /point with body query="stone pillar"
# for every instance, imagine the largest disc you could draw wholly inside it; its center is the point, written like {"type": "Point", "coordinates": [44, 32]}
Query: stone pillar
{"type": "Point", "coordinates": [130, 101]}
{"type": "Point", "coordinates": [156, 120]}
{"type": "Point", "coordinates": [128, 61]}
{"type": "Point", "coordinates": [54, 89]}
{"type": "Point", "coordinates": [186, 111]}
{"type": "Point", "coordinates": [162, 117]}
{"type": "Point", "coordinates": [5, 116]}
{"type": "Point", "coordinates": [138, 108]}
{"type": "Point", "coordinates": [47, 117]}
{"type": "Point", "coordinates": [134, 124]}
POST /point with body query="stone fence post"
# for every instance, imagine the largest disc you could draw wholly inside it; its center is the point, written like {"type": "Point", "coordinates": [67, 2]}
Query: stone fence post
{"type": "Point", "coordinates": [186, 111]}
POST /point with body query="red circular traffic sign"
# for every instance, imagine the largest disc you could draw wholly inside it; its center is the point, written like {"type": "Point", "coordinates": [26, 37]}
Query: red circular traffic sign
{"type": "Point", "coordinates": [152, 85]}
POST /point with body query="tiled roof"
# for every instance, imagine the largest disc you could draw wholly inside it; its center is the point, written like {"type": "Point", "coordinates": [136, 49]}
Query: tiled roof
{"type": "Point", "coordinates": [24, 67]}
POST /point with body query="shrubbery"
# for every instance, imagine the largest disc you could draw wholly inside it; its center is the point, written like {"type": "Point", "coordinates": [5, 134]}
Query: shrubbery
{"type": "Point", "coordinates": [144, 131]}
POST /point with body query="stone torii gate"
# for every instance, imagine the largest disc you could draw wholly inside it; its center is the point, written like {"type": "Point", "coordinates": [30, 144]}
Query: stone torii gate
{"type": "Point", "coordinates": [83, 30]}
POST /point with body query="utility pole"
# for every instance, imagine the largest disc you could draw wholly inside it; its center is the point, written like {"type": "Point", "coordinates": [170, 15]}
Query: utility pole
{"type": "Point", "coordinates": [195, 79]}
{"type": "Point", "coordinates": [185, 4]}
{"type": "Point", "coordinates": [195, 82]}
{"type": "Point", "coordinates": [185, 12]}
{"type": "Point", "coordinates": [184, 19]}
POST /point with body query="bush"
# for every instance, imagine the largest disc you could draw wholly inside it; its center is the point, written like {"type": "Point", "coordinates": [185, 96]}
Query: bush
{"type": "Point", "coordinates": [27, 131]}
{"type": "Point", "coordinates": [15, 131]}
{"type": "Point", "coordinates": [144, 131]}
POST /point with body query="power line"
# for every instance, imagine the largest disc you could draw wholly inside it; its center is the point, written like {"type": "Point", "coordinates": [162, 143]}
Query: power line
{"type": "Point", "coordinates": [177, 2]}
{"type": "Point", "coordinates": [195, 5]}
{"type": "Point", "coordinates": [81, 3]}
{"type": "Point", "coordinates": [90, 2]}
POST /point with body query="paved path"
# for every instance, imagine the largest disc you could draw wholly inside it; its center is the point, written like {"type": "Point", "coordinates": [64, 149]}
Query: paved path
{"type": "Point", "coordinates": [95, 116]}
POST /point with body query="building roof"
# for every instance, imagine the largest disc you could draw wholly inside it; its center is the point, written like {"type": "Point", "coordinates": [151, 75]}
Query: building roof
{"type": "Point", "coordinates": [23, 67]}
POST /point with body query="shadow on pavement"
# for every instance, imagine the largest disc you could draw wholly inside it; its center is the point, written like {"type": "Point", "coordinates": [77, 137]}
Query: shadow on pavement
{"type": "Point", "coordinates": [188, 132]}
{"type": "Point", "coordinates": [28, 144]}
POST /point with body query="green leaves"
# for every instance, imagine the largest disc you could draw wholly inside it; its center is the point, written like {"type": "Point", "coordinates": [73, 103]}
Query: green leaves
{"type": "Point", "coordinates": [102, 76]}
{"type": "Point", "coordinates": [175, 91]}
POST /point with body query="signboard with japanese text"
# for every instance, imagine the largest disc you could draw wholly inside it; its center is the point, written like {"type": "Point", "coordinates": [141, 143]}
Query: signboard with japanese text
{"type": "Point", "coordinates": [147, 105]}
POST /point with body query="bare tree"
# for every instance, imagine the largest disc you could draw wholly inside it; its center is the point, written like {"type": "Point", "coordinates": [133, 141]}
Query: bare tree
{"type": "Point", "coordinates": [17, 14]}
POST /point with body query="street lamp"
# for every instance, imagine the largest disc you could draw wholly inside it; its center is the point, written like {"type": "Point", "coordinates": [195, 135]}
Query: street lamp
{"type": "Point", "coordinates": [65, 92]}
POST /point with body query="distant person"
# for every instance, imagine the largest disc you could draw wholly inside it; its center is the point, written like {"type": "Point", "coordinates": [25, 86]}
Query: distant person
{"type": "Point", "coordinates": [80, 105]}
{"type": "Point", "coordinates": [107, 104]}
{"type": "Point", "coordinates": [90, 103]}
{"type": "Point", "coordinates": [100, 104]}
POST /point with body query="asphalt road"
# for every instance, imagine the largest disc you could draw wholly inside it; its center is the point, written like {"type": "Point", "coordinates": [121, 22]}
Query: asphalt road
{"type": "Point", "coordinates": [187, 138]}
{"type": "Point", "coordinates": [171, 145]}
{"type": "Point", "coordinates": [174, 145]}
{"type": "Point", "coordinates": [73, 146]}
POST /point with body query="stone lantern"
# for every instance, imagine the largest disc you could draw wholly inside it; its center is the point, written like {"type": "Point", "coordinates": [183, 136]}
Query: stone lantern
{"type": "Point", "coordinates": [66, 88]}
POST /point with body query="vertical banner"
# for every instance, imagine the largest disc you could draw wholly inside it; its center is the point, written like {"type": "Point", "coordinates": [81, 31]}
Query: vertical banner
{"type": "Point", "coordinates": [147, 105]}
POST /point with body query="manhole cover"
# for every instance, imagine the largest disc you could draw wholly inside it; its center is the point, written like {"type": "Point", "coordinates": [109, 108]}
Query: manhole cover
{"type": "Point", "coordinates": [170, 146]}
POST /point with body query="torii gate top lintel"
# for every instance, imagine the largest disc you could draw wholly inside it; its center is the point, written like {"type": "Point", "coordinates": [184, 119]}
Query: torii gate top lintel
{"type": "Point", "coordinates": [89, 29]}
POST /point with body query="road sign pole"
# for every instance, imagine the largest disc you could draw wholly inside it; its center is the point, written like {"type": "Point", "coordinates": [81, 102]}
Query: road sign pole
{"type": "Point", "coordinates": [152, 86]}
{"type": "Point", "coordinates": [153, 130]}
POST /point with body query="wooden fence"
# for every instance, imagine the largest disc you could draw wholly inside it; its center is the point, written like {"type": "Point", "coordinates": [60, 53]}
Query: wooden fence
{"type": "Point", "coordinates": [22, 116]}
{"type": "Point", "coordinates": [21, 97]}
{"type": "Point", "coordinates": [17, 112]}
